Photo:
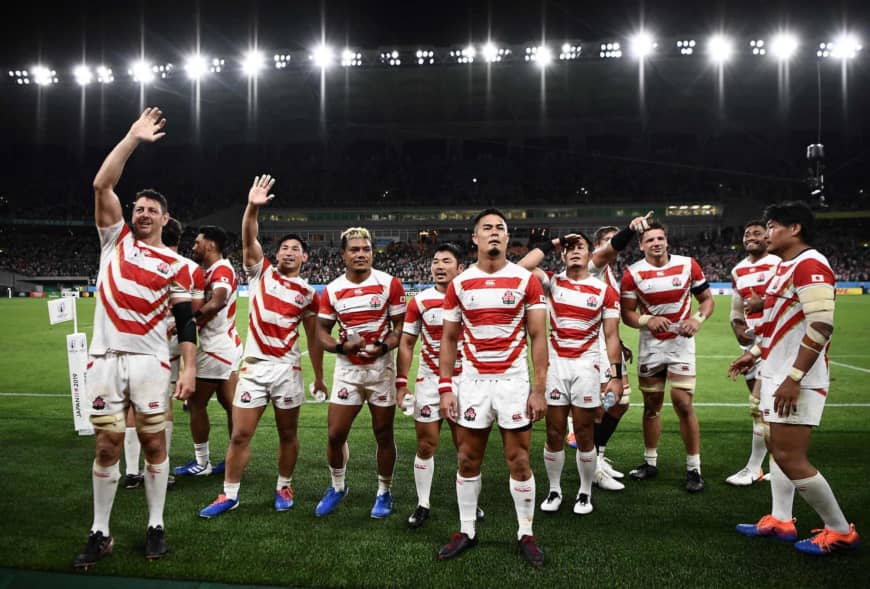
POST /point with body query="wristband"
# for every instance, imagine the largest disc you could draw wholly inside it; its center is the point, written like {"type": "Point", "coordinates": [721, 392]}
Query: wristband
{"type": "Point", "coordinates": [401, 381]}
{"type": "Point", "coordinates": [699, 317]}
{"type": "Point", "coordinates": [385, 348]}
{"type": "Point", "coordinates": [197, 315]}
{"type": "Point", "coordinates": [621, 239]}
{"type": "Point", "coordinates": [339, 348]}
{"type": "Point", "coordinates": [547, 247]}
{"type": "Point", "coordinates": [616, 371]}
{"type": "Point", "coordinates": [445, 385]}
{"type": "Point", "coordinates": [796, 374]}
{"type": "Point", "coordinates": [644, 319]}
{"type": "Point", "coordinates": [755, 351]}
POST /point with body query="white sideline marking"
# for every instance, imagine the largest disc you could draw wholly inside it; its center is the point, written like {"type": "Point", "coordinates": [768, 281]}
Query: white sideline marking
{"type": "Point", "coordinates": [858, 368]}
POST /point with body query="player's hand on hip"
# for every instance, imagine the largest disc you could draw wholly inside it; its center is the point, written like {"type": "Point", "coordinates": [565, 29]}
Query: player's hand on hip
{"type": "Point", "coordinates": [641, 224]}
{"type": "Point", "coordinates": [149, 126]}
{"type": "Point", "coordinates": [259, 195]}
{"type": "Point", "coordinates": [741, 365]}
{"type": "Point", "coordinates": [449, 407]}
{"type": "Point", "coordinates": [626, 353]}
{"type": "Point", "coordinates": [785, 399]}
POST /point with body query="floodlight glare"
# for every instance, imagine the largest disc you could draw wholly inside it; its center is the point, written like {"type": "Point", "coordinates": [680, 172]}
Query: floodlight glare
{"type": "Point", "coordinates": [490, 53]}
{"type": "Point", "coordinates": [544, 56]}
{"type": "Point", "coordinates": [196, 67]}
{"type": "Point", "coordinates": [846, 46]}
{"type": "Point", "coordinates": [720, 48]}
{"type": "Point", "coordinates": [252, 63]}
{"type": "Point", "coordinates": [642, 45]}
{"type": "Point", "coordinates": [83, 75]}
{"type": "Point", "coordinates": [783, 46]}
{"type": "Point", "coordinates": [141, 71]}
{"type": "Point", "coordinates": [43, 76]}
{"type": "Point", "coordinates": [104, 75]}
{"type": "Point", "coordinates": [322, 56]}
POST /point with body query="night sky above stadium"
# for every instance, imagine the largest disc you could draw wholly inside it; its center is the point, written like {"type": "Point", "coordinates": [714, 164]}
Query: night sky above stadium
{"type": "Point", "coordinates": [111, 30]}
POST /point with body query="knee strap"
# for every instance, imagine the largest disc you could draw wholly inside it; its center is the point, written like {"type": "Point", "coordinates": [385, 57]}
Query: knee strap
{"type": "Point", "coordinates": [150, 423]}
{"type": "Point", "coordinates": [115, 423]}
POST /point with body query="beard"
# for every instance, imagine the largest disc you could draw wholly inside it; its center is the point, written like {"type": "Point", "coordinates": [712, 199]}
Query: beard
{"type": "Point", "coordinates": [493, 252]}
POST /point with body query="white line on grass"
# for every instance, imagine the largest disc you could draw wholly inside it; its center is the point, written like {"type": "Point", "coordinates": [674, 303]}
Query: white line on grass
{"type": "Point", "coordinates": [858, 368]}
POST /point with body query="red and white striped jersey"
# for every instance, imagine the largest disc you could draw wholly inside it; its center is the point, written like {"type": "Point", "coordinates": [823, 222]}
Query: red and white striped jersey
{"type": "Point", "coordinates": [577, 308]}
{"type": "Point", "coordinates": [605, 275]}
{"type": "Point", "coordinates": [276, 307]}
{"type": "Point", "coordinates": [751, 278]}
{"type": "Point", "coordinates": [364, 309]}
{"type": "Point", "coordinates": [135, 285]}
{"type": "Point", "coordinates": [663, 291]}
{"type": "Point", "coordinates": [492, 309]}
{"type": "Point", "coordinates": [784, 324]}
{"type": "Point", "coordinates": [219, 333]}
{"type": "Point", "coordinates": [196, 294]}
{"type": "Point", "coordinates": [425, 316]}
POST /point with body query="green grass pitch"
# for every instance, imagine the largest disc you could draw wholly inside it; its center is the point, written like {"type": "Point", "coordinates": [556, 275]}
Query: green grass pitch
{"type": "Point", "coordinates": [651, 534]}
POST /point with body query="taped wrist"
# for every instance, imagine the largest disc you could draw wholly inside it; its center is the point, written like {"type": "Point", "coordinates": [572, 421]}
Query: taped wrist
{"type": "Point", "coordinates": [621, 239]}
{"type": "Point", "coordinates": [401, 381]}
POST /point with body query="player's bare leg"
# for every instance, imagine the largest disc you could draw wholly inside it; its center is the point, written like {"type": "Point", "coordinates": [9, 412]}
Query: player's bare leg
{"type": "Point", "coordinates": [522, 485]}
{"type": "Point", "coordinates": [134, 478]}
{"type": "Point", "coordinates": [382, 427]}
{"type": "Point", "coordinates": [753, 472]}
{"type": "Point", "coordinates": [287, 422]}
{"type": "Point", "coordinates": [428, 434]}
{"type": "Point", "coordinates": [339, 421]}
{"type": "Point", "coordinates": [470, 447]}
{"type": "Point", "coordinates": [586, 457]}
{"type": "Point", "coordinates": [105, 477]}
{"type": "Point", "coordinates": [554, 455]}
{"type": "Point", "coordinates": [200, 428]}
{"type": "Point", "coordinates": [653, 389]}
{"type": "Point", "coordinates": [681, 399]}
{"type": "Point", "coordinates": [226, 391]}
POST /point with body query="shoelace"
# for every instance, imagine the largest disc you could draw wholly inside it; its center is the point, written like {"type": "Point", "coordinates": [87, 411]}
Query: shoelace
{"type": "Point", "coordinates": [221, 498]}
{"type": "Point", "coordinates": [531, 546]}
{"type": "Point", "coordinates": [286, 493]}
{"type": "Point", "coordinates": [825, 538]}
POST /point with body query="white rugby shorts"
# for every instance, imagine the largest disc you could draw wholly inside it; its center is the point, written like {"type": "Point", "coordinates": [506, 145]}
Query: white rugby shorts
{"type": "Point", "coordinates": [574, 381]}
{"type": "Point", "coordinates": [355, 385]}
{"type": "Point", "coordinates": [118, 379]}
{"type": "Point", "coordinates": [263, 380]}
{"type": "Point", "coordinates": [482, 401]}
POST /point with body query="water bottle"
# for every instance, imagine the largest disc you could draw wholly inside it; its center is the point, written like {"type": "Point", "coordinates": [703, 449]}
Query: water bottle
{"type": "Point", "coordinates": [609, 400]}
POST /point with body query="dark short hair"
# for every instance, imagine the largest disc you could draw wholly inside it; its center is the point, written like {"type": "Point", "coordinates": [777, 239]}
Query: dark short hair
{"type": "Point", "coordinates": [172, 232]}
{"type": "Point", "coordinates": [753, 223]}
{"type": "Point", "coordinates": [152, 194]}
{"type": "Point", "coordinates": [602, 231]}
{"type": "Point", "coordinates": [654, 225]}
{"type": "Point", "coordinates": [582, 236]}
{"type": "Point", "coordinates": [793, 213]}
{"type": "Point", "coordinates": [215, 234]}
{"type": "Point", "coordinates": [288, 237]}
{"type": "Point", "coordinates": [451, 248]}
{"type": "Point", "coordinates": [484, 213]}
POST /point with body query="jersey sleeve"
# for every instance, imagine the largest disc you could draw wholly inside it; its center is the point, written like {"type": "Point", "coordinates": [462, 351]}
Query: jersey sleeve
{"type": "Point", "coordinates": [223, 277]}
{"type": "Point", "coordinates": [326, 310]}
{"type": "Point", "coordinates": [181, 285]}
{"type": "Point", "coordinates": [628, 287]}
{"type": "Point", "coordinates": [313, 307]}
{"type": "Point", "coordinates": [812, 272]}
{"type": "Point", "coordinates": [396, 298]}
{"type": "Point", "coordinates": [450, 306]}
{"type": "Point", "coordinates": [696, 274]}
{"type": "Point", "coordinates": [111, 235]}
{"type": "Point", "coordinates": [254, 272]}
{"type": "Point", "coordinates": [197, 289]}
{"type": "Point", "coordinates": [611, 304]}
{"type": "Point", "coordinates": [412, 323]}
{"type": "Point", "coordinates": [535, 294]}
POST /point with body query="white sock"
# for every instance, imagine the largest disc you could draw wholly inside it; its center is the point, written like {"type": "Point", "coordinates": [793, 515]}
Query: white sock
{"type": "Point", "coordinates": [231, 490]}
{"type": "Point", "coordinates": [554, 462]}
{"type": "Point", "coordinates": [467, 492]}
{"type": "Point", "coordinates": [169, 427]}
{"type": "Point", "coordinates": [818, 493]}
{"type": "Point", "coordinates": [132, 448]}
{"type": "Point", "coordinates": [105, 481]}
{"type": "Point", "coordinates": [385, 483]}
{"type": "Point", "coordinates": [156, 477]}
{"type": "Point", "coordinates": [283, 482]}
{"type": "Point", "coordinates": [759, 448]}
{"type": "Point", "coordinates": [424, 470]}
{"type": "Point", "coordinates": [201, 453]}
{"type": "Point", "coordinates": [601, 450]}
{"type": "Point", "coordinates": [782, 492]}
{"type": "Point", "coordinates": [587, 464]}
{"type": "Point", "coordinates": [337, 475]}
{"type": "Point", "coordinates": [651, 456]}
{"type": "Point", "coordinates": [693, 462]}
{"type": "Point", "coordinates": [523, 493]}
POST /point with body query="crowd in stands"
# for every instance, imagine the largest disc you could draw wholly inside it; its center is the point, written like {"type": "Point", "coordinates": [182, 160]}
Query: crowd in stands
{"type": "Point", "coordinates": [74, 251]}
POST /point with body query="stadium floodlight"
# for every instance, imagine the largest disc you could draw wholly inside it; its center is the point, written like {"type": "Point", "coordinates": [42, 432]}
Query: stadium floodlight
{"type": "Point", "coordinates": [540, 54]}
{"type": "Point", "coordinates": [783, 46]}
{"type": "Point", "coordinates": [846, 46]}
{"type": "Point", "coordinates": [216, 66]}
{"type": "Point", "coordinates": [391, 58]}
{"type": "Point", "coordinates": [642, 45]}
{"type": "Point", "coordinates": [252, 63]}
{"type": "Point", "coordinates": [22, 77]}
{"type": "Point", "coordinates": [196, 66]}
{"type": "Point", "coordinates": [425, 56]}
{"type": "Point", "coordinates": [43, 76]}
{"type": "Point", "coordinates": [351, 58]}
{"type": "Point", "coordinates": [720, 48]}
{"type": "Point", "coordinates": [281, 60]}
{"type": "Point", "coordinates": [490, 52]}
{"type": "Point", "coordinates": [104, 75]}
{"type": "Point", "coordinates": [758, 47]}
{"type": "Point", "coordinates": [570, 51]}
{"type": "Point", "coordinates": [610, 51]}
{"type": "Point", "coordinates": [83, 75]}
{"type": "Point", "coordinates": [322, 56]}
{"type": "Point", "coordinates": [686, 46]}
{"type": "Point", "coordinates": [141, 72]}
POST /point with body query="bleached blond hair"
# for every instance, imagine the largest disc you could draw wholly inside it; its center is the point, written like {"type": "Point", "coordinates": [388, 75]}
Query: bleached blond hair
{"type": "Point", "coordinates": [354, 233]}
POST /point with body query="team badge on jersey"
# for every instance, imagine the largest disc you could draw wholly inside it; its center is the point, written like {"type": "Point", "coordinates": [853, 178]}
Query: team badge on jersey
{"type": "Point", "coordinates": [154, 405]}
{"type": "Point", "coordinates": [246, 397]}
{"type": "Point", "coordinates": [99, 404]}
{"type": "Point", "coordinates": [592, 301]}
{"type": "Point", "coordinates": [517, 417]}
{"type": "Point", "coordinates": [676, 282]}
{"type": "Point", "coordinates": [555, 394]}
{"type": "Point", "coordinates": [163, 268]}
{"type": "Point", "coordinates": [759, 278]}
{"type": "Point", "coordinates": [470, 414]}
{"type": "Point", "coordinates": [375, 302]}
{"type": "Point", "coordinates": [508, 298]}
{"type": "Point", "coordinates": [300, 300]}
{"type": "Point", "coordinates": [425, 411]}
{"type": "Point", "coordinates": [342, 394]}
